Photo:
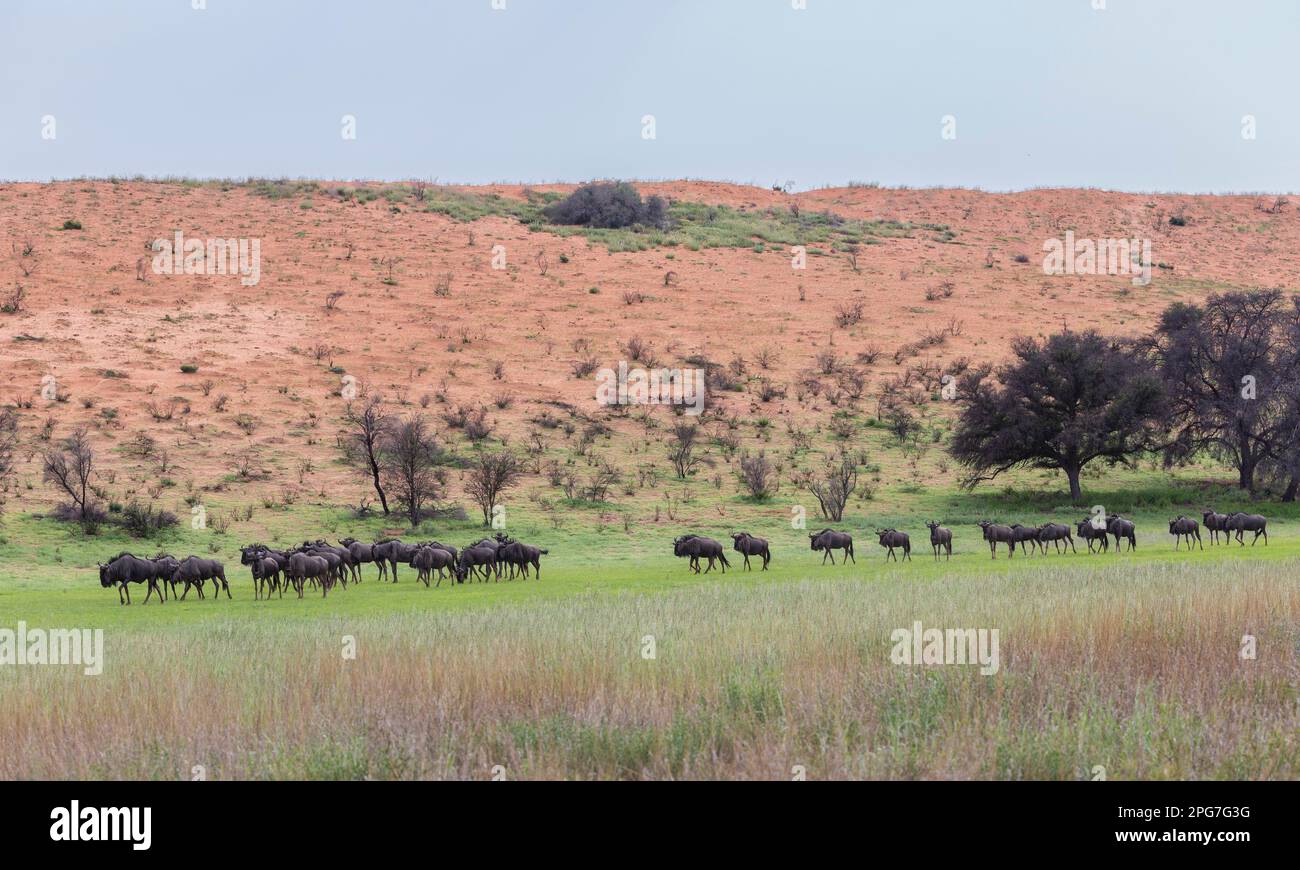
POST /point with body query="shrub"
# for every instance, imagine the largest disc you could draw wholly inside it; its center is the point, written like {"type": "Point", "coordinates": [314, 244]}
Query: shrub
{"type": "Point", "coordinates": [189, 368]}
{"type": "Point", "coordinates": [607, 205]}
{"type": "Point", "coordinates": [141, 520]}
{"type": "Point", "coordinates": [71, 225]}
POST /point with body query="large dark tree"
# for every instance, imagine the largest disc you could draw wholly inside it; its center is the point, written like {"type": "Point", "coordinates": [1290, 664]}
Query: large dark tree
{"type": "Point", "coordinates": [1280, 470]}
{"type": "Point", "coordinates": [1226, 366]}
{"type": "Point", "coordinates": [1060, 404]}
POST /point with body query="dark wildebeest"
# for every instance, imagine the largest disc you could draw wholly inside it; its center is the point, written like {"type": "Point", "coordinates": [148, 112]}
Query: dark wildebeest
{"type": "Point", "coordinates": [349, 569]}
{"type": "Point", "coordinates": [1090, 533]}
{"type": "Point", "coordinates": [697, 548]}
{"type": "Point", "coordinates": [476, 558]}
{"type": "Point", "coordinates": [1240, 523]}
{"type": "Point", "coordinates": [1215, 523]}
{"type": "Point", "coordinates": [892, 538]}
{"type": "Point", "coordinates": [940, 538]}
{"type": "Point", "coordinates": [166, 564]}
{"type": "Point", "coordinates": [363, 553]}
{"type": "Point", "coordinates": [338, 572]}
{"type": "Point", "coordinates": [748, 545]}
{"type": "Point", "coordinates": [393, 551]}
{"type": "Point", "coordinates": [304, 566]}
{"type": "Point", "coordinates": [264, 568]}
{"type": "Point", "coordinates": [429, 559]}
{"type": "Point", "coordinates": [996, 534]}
{"type": "Point", "coordinates": [193, 571]}
{"type": "Point", "coordinates": [1055, 532]}
{"type": "Point", "coordinates": [1025, 535]}
{"type": "Point", "coordinates": [1122, 529]}
{"type": "Point", "coordinates": [1184, 527]}
{"type": "Point", "coordinates": [519, 555]}
{"type": "Point", "coordinates": [126, 568]}
{"type": "Point", "coordinates": [829, 540]}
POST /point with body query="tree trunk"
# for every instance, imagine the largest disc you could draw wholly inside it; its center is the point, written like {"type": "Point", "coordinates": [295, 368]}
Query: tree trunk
{"type": "Point", "coordinates": [1246, 475]}
{"type": "Point", "coordinates": [1292, 485]}
{"type": "Point", "coordinates": [1076, 492]}
{"type": "Point", "coordinates": [379, 489]}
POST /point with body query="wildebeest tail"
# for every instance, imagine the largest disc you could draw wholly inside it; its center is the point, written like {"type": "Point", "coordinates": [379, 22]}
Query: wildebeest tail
{"type": "Point", "coordinates": [723, 557]}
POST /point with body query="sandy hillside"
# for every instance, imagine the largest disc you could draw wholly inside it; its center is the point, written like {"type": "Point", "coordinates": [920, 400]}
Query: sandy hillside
{"type": "Point", "coordinates": [115, 344]}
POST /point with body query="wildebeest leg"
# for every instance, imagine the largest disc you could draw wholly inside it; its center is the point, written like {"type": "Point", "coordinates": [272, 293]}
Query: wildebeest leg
{"type": "Point", "coordinates": [152, 585]}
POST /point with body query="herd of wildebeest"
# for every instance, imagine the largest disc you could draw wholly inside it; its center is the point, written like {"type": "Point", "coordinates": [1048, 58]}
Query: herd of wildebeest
{"type": "Point", "coordinates": [323, 566]}
{"type": "Point", "coordinates": [1096, 531]}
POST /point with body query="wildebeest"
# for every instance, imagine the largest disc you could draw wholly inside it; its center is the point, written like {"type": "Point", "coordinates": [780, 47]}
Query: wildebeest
{"type": "Point", "coordinates": [348, 568]}
{"type": "Point", "coordinates": [1023, 535]}
{"type": "Point", "coordinates": [393, 551]}
{"type": "Point", "coordinates": [748, 545]}
{"type": "Point", "coordinates": [429, 559]}
{"type": "Point", "coordinates": [1240, 522]}
{"type": "Point", "coordinates": [891, 538]}
{"type": "Point", "coordinates": [940, 538]}
{"type": "Point", "coordinates": [519, 555]}
{"type": "Point", "coordinates": [338, 567]}
{"type": "Point", "coordinates": [1092, 534]}
{"type": "Point", "coordinates": [698, 547]}
{"type": "Point", "coordinates": [363, 553]}
{"type": "Point", "coordinates": [1122, 529]}
{"type": "Point", "coordinates": [1055, 532]}
{"type": "Point", "coordinates": [194, 571]}
{"type": "Point", "coordinates": [126, 568]}
{"type": "Point", "coordinates": [1215, 523]}
{"type": "Point", "coordinates": [476, 558]}
{"type": "Point", "coordinates": [1183, 527]}
{"type": "Point", "coordinates": [828, 540]}
{"type": "Point", "coordinates": [304, 566]}
{"type": "Point", "coordinates": [996, 534]}
{"type": "Point", "coordinates": [264, 568]}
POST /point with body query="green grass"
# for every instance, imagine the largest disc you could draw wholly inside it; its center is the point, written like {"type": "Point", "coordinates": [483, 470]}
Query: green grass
{"type": "Point", "coordinates": [693, 225]}
{"type": "Point", "coordinates": [1127, 664]}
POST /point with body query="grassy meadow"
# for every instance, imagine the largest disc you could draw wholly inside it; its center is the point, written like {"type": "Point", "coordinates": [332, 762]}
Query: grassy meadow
{"type": "Point", "coordinates": [1128, 662]}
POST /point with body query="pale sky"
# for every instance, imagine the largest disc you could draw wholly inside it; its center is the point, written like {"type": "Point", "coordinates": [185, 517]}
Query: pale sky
{"type": "Point", "coordinates": [1142, 95]}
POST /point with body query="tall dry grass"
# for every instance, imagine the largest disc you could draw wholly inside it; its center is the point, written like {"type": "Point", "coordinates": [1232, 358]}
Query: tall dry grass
{"type": "Point", "coordinates": [1133, 669]}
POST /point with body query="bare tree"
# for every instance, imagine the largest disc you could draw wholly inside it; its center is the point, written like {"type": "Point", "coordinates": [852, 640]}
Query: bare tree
{"type": "Point", "coordinates": [834, 489]}
{"type": "Point", "coordinates": [70, 467]}
{"type": "Point", "coordinates": [757, 475]}
{"type": "Point", "coordinates": [681, 449]}
{"type": "Point", "coordinates": [601, 481]}
{"type": "Point", "coordinates": [410, 457]}
{"type": "Point", "coordinates": [490, 475]}
{"type": "Point", "coordinates": [362, 443]}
